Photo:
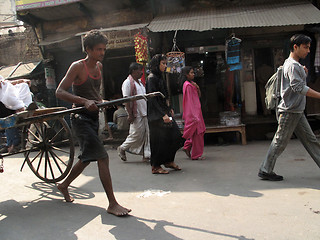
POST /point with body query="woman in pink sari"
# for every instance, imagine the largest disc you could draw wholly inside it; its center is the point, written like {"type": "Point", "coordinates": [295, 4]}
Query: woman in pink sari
{"type": "Point", "coordinates": [194, 127]}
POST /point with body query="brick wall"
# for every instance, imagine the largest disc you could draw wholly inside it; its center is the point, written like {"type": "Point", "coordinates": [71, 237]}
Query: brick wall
{"type": "Point", "coordinates": [20, 47]}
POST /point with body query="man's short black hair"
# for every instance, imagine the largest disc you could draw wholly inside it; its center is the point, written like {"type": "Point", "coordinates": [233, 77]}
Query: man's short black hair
{"type": "Point", "coordinates": [134, 66]}
{"type": "Point", "coordinates": [299, 39]}
{"type": "Point", "coordinates": [93, 38]}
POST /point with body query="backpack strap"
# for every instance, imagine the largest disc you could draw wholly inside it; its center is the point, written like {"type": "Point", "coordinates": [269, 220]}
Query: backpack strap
{"type": "Point", "coordinates": [278, 86]}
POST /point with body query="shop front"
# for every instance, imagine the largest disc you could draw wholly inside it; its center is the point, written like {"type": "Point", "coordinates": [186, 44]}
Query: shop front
{"type": "Point", "coordinates": [234, 83]}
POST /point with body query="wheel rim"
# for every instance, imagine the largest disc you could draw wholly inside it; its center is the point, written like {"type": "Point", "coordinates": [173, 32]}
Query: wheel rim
{"type": "Point", "coordinates": [49, 149]}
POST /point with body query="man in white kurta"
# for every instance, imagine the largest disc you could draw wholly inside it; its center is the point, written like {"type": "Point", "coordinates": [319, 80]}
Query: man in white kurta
{"type": "Point", "coordinates": [15, 95]}
{"type": "Point", "coordinates": [137, 141]}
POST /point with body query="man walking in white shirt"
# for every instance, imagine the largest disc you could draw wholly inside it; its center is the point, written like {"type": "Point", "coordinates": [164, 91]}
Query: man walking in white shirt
{"type": "Point", "coordinates": [137, 141]}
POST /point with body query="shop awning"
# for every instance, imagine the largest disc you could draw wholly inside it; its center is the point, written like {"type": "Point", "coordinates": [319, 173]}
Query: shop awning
{"type": "Point", "coordinates": [54, 39]}
{"type": "Point", "coordinates": [21, 70]}
{"type": "Point", "coordinates": [267, 15]}
{"type": "Point", "coordinates": [119, 28]}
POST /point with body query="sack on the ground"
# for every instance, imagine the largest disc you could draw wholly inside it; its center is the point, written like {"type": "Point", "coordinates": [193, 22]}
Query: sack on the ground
{"type": "Point", "coordinates": [273, 90]}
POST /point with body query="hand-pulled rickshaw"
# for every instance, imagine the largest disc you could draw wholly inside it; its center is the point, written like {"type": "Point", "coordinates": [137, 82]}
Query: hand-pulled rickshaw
{"type": "Point", "coordinates": [47, 140]}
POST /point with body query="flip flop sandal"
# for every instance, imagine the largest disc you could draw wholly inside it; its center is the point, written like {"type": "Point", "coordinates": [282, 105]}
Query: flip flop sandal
{"type": "Point", "coordinates": [173, 166]}
{"type": "Point", "coordinates": [159, 171]}
{"type": "Point", "coordinates": [121, 154]}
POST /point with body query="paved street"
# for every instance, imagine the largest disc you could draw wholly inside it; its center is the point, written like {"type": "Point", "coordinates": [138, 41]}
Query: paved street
{"type": "Point", "coordinates": [218, 198]}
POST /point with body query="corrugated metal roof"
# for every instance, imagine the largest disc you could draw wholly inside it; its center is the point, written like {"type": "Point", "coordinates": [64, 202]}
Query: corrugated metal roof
{"type": "Point", "coordinates": [19, 71]}
{"type": "Point", "coordinates": [237, 17]}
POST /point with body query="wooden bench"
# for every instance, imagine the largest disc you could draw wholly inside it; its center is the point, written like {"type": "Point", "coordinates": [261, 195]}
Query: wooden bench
{"type": "Point", "coordinates": [224, 128]}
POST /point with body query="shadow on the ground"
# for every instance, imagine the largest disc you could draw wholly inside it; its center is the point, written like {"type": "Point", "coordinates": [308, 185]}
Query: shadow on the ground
{"type": "Point", "coordinates": [226, 171]}
{"type": "Point", "coordinates": [50, 191]}
{"type": "Point", "coordinates": [57, 220]}
{"type": "Point", "coordinates": [135, 228]}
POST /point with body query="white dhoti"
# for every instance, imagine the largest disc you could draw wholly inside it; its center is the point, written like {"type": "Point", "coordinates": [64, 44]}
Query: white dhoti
{"type": "Point", "coordinates": [138, 141]}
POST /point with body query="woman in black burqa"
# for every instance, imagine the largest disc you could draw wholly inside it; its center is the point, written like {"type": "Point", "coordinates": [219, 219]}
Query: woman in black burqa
{"type": "Point", "coordinates": [165, 136]}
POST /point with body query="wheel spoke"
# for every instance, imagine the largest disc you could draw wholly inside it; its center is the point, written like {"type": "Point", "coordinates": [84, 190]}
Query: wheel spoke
{"type": "Point", "coordinates": [44, 131]}
{"type": "Point", "coordinates": [32, 133]}
{"type": "Point", "coordinates": [49, 163]}
{"type": "Point", "coordinates": [45, 166]}
{"type": "Point", "coordinates": [35, 157]}
{"type": "Point", "coordinates": [39, 131]}
{"type": "Point", "coordinates": [54, 124]}
{"type": "Point", "coordinates": [55, 136]}
{"type": "Point", "coordinates": [56, 162]}
{"type": "Point", "coordinates": [40, 160]}
{"type": "Point", "coordinates": [61, 142]}
{"type": "Point", "coordinates": [59, 149]}
{"type": "Point", "coordinates": [52, 152]}
{"type": "Point", "coordinates": [25, 160]}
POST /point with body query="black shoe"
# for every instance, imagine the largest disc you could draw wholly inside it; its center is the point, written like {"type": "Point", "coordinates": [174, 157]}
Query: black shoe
{"type": "Point", "coordinates": [270, 176]}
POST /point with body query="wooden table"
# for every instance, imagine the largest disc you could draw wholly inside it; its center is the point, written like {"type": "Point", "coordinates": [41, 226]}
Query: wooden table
{"type": "Point", "coordinates": [241, 128]}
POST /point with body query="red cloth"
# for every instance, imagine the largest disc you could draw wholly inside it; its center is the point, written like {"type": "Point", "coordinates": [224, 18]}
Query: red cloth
{"type": "Point", "coordinates": [229, 89]}
{"type": "Point", "coordinates": [143, 78]}
{"type": "Point", "coordinates": [192, 114]}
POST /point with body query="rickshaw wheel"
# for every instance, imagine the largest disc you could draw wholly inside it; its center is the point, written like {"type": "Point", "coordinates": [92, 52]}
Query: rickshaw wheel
{"type": "Point", "coordinates": [49, 149]}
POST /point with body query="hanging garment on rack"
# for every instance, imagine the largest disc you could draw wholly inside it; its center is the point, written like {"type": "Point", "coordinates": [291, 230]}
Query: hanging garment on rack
{"type": "Point", "coordinates": [233, 54]}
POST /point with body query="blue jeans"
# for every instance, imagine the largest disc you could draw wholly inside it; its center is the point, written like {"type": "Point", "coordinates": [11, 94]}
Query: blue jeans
{"type": "Point", "coordinates": [287, 124]}
{"type": "Point", "coordinates": [13, 136]}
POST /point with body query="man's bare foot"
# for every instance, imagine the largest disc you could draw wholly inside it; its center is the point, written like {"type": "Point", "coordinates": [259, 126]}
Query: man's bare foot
{"type": "Point", "coordinates": [118, 210]}
{"type": "Point", "coordinates": [65, 193]}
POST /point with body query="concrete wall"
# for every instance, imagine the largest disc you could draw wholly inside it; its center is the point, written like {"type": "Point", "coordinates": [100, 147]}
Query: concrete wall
{"type": "Point", "coordinates": [62, 28]}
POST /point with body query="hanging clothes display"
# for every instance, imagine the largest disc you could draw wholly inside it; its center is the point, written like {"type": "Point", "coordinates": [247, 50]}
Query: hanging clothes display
{"type": "Point", "coordinates": [233, 54]}
{"type": "Point", "coordinates": [233, 58]}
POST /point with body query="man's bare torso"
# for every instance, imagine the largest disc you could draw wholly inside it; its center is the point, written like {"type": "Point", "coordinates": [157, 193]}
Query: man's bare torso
{"type": "Point", "coordinates": [82, 73]}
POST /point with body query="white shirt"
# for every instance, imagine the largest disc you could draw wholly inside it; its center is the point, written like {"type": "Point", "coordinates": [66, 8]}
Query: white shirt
{"type": "Point", "coordinates": [141, 104]}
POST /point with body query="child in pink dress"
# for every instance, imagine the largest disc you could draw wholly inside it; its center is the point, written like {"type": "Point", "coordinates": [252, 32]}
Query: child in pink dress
{"type": "Point", "coordinates": [194, 127]}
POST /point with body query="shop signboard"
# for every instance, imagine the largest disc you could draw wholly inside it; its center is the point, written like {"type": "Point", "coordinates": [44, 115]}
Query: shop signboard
{"type": "Point", "coordinates": [120, 39]}
{"type": "Point", "coordinates": [31, 4]}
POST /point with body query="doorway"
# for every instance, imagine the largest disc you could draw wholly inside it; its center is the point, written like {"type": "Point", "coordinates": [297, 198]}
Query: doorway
{"type": "Point", "coordinates": [263, 71]}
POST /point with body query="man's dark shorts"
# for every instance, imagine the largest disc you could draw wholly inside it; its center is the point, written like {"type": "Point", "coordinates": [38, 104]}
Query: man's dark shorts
{"type": "Point", "coordinates": [86, 130]}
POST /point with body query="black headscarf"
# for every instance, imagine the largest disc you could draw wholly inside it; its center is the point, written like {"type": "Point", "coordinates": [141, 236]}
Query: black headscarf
{"type": "Point", "coordinates": [155, 63]}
